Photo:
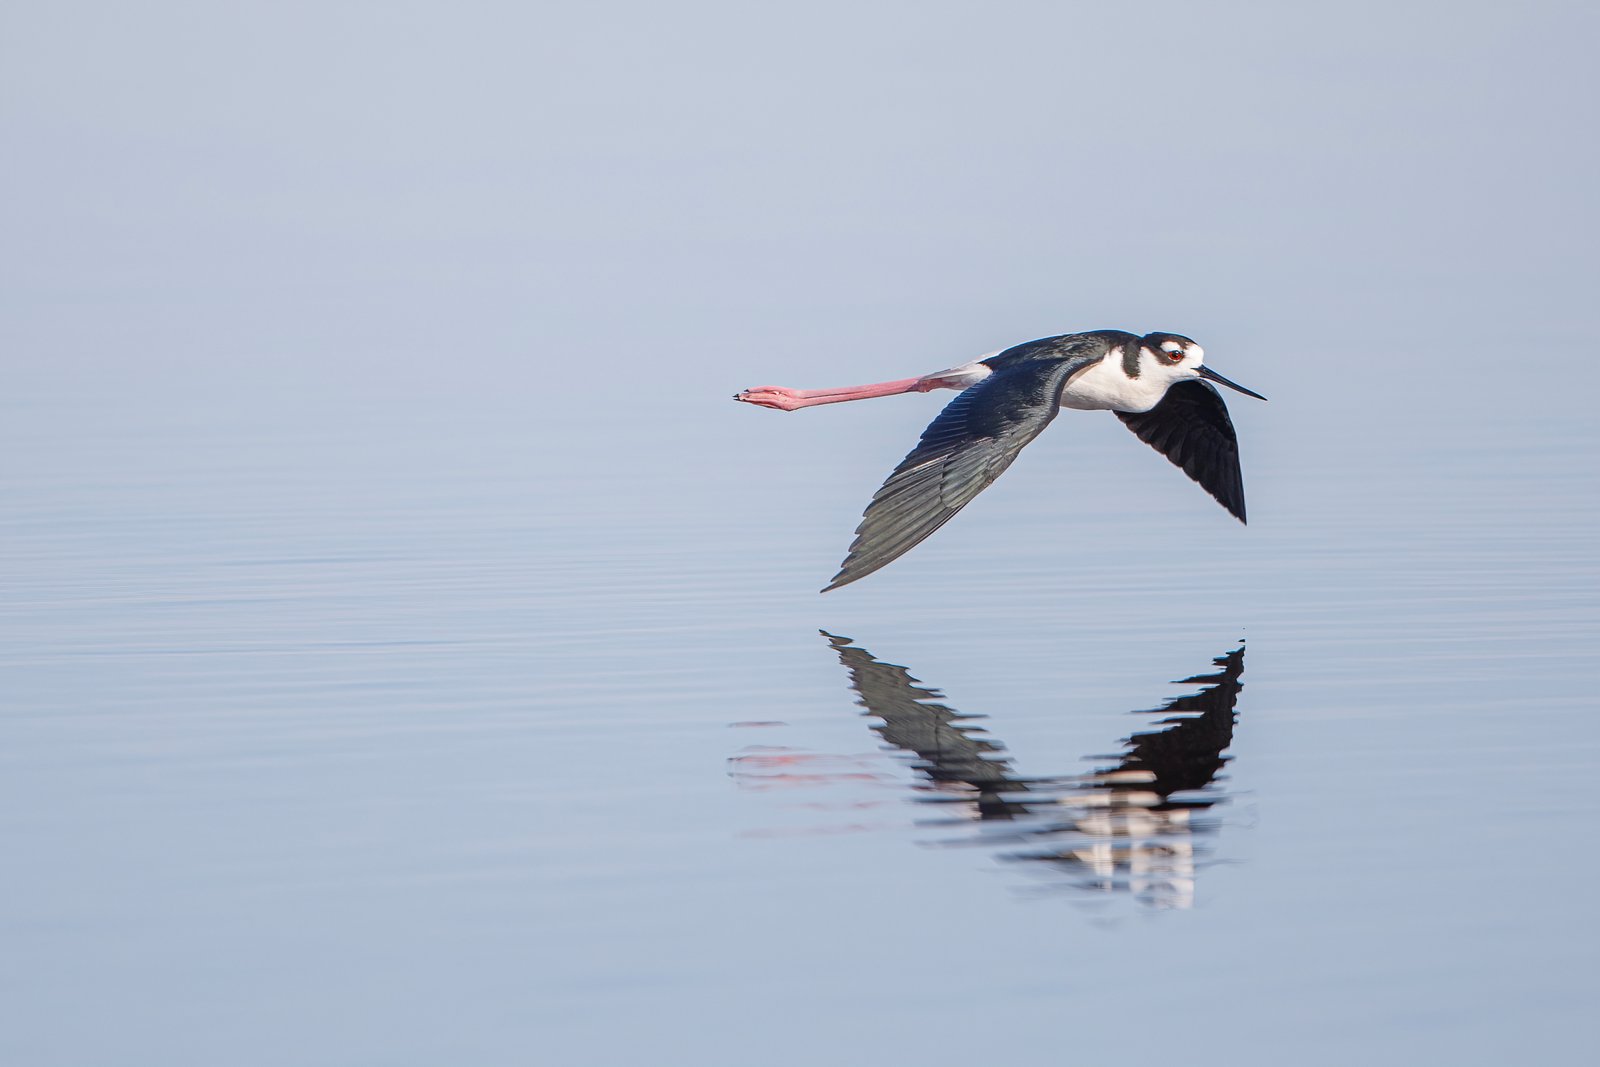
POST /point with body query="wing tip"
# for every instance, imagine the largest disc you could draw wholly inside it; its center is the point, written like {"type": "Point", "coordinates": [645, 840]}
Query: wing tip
{"type": "Point", "coordinates": [841, 579]}
{"type": "Point", "coordinates": [853, 569]}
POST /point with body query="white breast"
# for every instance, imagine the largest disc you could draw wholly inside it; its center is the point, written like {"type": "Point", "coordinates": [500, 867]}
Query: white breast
{"type": "Point", "coordinates": [1104, 386]}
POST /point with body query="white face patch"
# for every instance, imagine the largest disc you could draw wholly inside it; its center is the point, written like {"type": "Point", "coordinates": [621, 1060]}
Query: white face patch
{"type": "Point", "coordinates": [1185, 352]}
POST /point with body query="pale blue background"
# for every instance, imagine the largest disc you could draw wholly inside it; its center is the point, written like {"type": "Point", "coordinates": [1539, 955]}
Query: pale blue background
{"type": "Point", "coordinates": [383, 562]}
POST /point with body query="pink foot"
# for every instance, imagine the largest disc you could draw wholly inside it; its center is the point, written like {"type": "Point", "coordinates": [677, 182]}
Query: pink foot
{"type": "Point", "coordinates": [773, 396]}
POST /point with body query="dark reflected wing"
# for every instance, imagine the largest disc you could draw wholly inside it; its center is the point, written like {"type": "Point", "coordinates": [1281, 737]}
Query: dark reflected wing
{"type": "Point", "coordinates": [1191, 428]}
{"type": "Point", "coordinates": [916, 721]}
{"type": "Point", "coordinates": [950, 750]}
{"type": "Point", "coordinates": [1187, 752]}
{"type": "Point", "coordinates": [962, 451]}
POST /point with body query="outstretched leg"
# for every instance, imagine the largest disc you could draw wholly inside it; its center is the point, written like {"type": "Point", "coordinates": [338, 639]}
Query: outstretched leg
{"type": "Point", "coordinates": [781, 399]}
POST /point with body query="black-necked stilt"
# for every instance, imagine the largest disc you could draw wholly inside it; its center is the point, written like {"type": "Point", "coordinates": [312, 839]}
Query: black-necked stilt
{"type": "Point", "coordinates": [1156, 384]}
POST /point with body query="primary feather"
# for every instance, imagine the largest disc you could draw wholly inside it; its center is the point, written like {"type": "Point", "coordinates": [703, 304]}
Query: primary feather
{"type": "Point", "coordinates": [1191, 428]}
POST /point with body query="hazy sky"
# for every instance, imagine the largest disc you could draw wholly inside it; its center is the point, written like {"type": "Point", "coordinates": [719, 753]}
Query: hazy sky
{"type": "Point", "coordinates": [716, 187]}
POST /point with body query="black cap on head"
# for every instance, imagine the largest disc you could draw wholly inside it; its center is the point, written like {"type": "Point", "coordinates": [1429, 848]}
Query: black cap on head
{"type": "Point", "coordinates": [1154, 340]}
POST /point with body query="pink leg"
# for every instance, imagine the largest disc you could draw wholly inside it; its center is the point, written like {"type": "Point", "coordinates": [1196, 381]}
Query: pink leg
{"type": "Point", "coordinates": [781, 399]}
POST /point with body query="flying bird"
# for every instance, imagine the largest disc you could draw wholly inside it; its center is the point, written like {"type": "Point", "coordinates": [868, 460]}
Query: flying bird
{"type": "Point", "coordinates": [1158, 385]}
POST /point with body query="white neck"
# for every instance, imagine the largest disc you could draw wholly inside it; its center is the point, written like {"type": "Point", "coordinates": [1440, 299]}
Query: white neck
{"type": "Point", "coordinates": [1106, 386]}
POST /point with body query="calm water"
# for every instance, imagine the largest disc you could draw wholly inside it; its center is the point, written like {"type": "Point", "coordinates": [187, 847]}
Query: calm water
{"type": "Point", "coordinates": [391, 733]}
{"type": "Point", "coordinates": [409, 655]}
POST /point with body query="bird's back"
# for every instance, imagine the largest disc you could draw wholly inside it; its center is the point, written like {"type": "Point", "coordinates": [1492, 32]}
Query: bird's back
{"type": "Point", "coordinates": [1093, 344]}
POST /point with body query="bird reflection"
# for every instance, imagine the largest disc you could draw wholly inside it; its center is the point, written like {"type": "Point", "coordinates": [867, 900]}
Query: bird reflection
{"type": "Point", "coordinates": [950, 753]}
{"type": "Point", "coordinates": [1129, 826]}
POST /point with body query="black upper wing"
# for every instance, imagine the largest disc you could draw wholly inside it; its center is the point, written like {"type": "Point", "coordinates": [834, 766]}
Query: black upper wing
{"type": "Point", "coordinates": [962, 451]}
{"type": "Point", "coordinates": [1191, 428]}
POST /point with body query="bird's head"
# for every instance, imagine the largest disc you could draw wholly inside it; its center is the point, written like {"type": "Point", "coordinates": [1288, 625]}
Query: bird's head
{"type": "Point", "coordinates": [1174, 358]}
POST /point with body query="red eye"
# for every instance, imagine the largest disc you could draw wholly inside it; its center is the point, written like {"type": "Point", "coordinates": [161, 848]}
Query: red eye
{"type": "Point", "coordinates": [1175, 357]}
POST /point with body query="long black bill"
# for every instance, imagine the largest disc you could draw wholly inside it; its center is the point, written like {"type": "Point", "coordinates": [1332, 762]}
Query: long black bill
{"type": "Point", "coordinates": [1207, 372]}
